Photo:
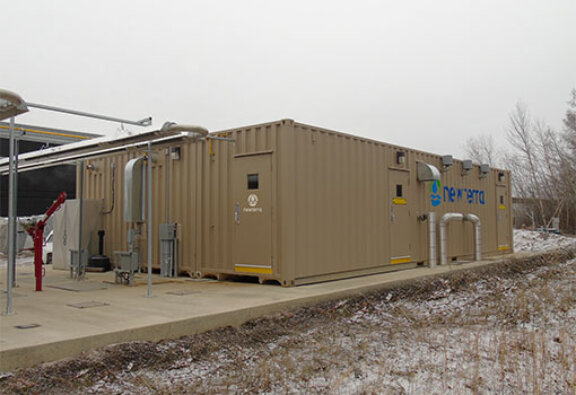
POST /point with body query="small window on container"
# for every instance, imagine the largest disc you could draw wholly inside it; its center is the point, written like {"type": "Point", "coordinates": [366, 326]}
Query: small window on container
{"type": "Point", "coordinates": [501, 199]}
{"type": "Point", "coordinates": [253, 181]}
{"type": "Point", "coordinates": [399, 190]}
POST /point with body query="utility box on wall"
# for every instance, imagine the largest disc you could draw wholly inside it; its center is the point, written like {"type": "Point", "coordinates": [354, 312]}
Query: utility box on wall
{"type": "Point", "coordinates": [296, 204]}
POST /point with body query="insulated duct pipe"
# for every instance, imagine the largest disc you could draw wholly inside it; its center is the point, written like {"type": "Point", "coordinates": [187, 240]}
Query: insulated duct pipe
{"type": "Point", "coordinates": [443, 223]}
{"type": "Point", "coordinates": [192, 130]}
{"type": "Point", "coordinates": [477, 235]}
{"type": "Point", "coordinates": [432, 238]}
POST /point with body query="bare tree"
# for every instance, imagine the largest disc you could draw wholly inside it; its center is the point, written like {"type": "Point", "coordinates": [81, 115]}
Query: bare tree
{"type": "Point", "coordinates": [570, 123]}
{"type": "Point", "coordinates": [538, 161]}
{"type": "Point", "coordinates": [543, 165]}
{"type": "Point", "coordinates": [527, 176]}
{"type": "Point", "coordinates": [483, 149]}
{"type": "Point", "coordinates": [569, 163]}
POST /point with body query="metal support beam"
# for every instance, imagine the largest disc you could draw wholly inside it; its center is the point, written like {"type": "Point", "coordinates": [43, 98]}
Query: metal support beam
{"type": "Point", "coordinates": [15, 223]}
{"type": "Point", "coordinates": [80, 271]}
{"type": "Point", "coordinates": [11, 264]}
{"type": "Point", "coordinates": [149, 236]}
{"type": "Point", "coordinates": [143, 122]}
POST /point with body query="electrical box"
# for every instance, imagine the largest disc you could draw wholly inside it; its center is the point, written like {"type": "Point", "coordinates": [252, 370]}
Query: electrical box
{"type": "Point", "coordinates": [168, 250]}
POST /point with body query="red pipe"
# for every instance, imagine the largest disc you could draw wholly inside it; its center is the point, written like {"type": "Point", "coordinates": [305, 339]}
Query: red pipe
{"type": "Point", "coordinates": [37, 233]}
{"type": "Point", "coordinates": [38, 244]}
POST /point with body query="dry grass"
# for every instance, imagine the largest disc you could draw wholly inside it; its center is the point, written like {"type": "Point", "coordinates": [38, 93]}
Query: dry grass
{"type": "Point", "coordinates": [506, 329]}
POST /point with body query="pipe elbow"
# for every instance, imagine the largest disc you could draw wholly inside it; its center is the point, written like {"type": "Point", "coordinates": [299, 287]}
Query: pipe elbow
{"type": "Point", "coordinates": [450, 217]}
{"type": "Point", "coordinates": [192, 130]}
{"type": "Point", "coordinates": [472, 218]}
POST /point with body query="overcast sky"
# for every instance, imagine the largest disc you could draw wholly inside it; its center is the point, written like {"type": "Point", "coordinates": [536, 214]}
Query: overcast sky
{"type": "Point", "coordinates": [423, 74]}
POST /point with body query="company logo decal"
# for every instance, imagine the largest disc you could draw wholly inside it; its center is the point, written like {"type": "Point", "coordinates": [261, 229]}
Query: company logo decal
{"type": "Point", "coordinates": [252, 200]}
{"type": "Point", "coordinates": [455, 195]}
{"type": "Point", "coordinates": [435, 197]}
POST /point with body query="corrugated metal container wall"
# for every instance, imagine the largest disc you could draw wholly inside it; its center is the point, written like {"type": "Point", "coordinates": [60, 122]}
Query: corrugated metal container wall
{"type": "Point", "coordinates": [184, 201]}
{"type": "Point", "coordinates": [180, 181]}
{"type": "Point", "coordinates": [454, 190]}
{"type": "Point", "coordinates": [219, 192]}
{"type": "Point", "coordinates": [338, 210]}
{"type": "Point", "coordinates": [297, 204]}
{"type": "Point", "coordinates": [102, 177]}
{"type": "Point", "coordinates": [340, 215]}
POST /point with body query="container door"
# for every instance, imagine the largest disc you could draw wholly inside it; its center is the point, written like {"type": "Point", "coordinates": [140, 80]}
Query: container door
{"type": "Point", "coordinates": [503, 217]}
{"type": "Point", "coordinates": [252, 207]}
{"type": "Point", "coordinates": [400, 203]}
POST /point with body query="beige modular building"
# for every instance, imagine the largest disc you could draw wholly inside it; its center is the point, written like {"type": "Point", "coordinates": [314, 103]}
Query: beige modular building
{"type": "Point", "coordinates": [296, 204]}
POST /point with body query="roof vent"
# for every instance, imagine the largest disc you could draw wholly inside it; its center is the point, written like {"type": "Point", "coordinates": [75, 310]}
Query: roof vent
{"type": "Point", "coordinates": [447, 162]}
{"type": "Point", "coordinates": [466, 167]}
{"type": "Point", "coordinates": [484, 170]}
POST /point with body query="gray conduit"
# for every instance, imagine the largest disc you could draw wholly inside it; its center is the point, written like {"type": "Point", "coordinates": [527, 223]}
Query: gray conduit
{"type": "Point", "coordinates": [443, 223]}
{"type": "Point", "coordinates": [477, 235]}
{"type": "Point", "coordinates": [458, 217]}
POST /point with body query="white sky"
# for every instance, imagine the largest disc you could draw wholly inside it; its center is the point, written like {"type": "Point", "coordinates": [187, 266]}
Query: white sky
{"type": "Point", "coordinates": [423, 74]}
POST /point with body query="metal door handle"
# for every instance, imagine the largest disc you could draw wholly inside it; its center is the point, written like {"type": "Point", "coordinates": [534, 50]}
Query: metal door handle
{"type": "Point", "coordinates": [237, 213]}
{"type": "Point", "coordinates": [392, 216]}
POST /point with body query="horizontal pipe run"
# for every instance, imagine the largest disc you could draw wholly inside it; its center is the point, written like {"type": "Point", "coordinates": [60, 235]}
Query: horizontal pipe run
{"type": "Point", "coordinates": [143, 122]}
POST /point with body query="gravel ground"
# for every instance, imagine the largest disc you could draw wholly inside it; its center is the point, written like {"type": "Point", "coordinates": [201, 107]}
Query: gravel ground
{"type": "Point", "coordinates": [510, 328]}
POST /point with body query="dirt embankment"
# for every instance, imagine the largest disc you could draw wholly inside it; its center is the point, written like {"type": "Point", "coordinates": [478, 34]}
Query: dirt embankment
{"type": "Point", "coordinates": [507, 328]}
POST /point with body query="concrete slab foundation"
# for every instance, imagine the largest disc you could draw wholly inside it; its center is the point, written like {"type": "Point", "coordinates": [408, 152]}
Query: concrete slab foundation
{"type": "Point", "coordinates": [53, 328]}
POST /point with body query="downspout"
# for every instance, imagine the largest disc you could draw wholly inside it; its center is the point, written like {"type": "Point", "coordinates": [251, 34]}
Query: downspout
{"type": "Point", "coordinates": [477, 235]}
{"type": "Point", "coordinates": [432, 238]}
{"type": "Point", "coordinates": [443, 223]}
{"type": "Point", "coordinates": [168, 164]}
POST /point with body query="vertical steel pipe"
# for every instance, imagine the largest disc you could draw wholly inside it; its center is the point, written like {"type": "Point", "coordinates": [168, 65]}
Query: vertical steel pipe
{"type": "Point", "coordinates": [477, 235]}
{"type": "Point", "coordinates": [168, 165]}
{"type": "Point", "coordinates": [11, 265]}
{"type": "Point", "coordinates": [80, 271]}
{"type": "Point", "coordinates": [15, 224]}
{"type": "Point", "coordinates": [432, 238]}
{"type": "Point", "coordinates": [149, 293]}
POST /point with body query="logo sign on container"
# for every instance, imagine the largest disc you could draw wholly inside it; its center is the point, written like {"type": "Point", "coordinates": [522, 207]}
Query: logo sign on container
{"type": "Point", "coordinates": [455, 195]}
{"type": "Point", "coordinates": [435, 197]}
{"type": "Point", "coordinates": [253, 203]}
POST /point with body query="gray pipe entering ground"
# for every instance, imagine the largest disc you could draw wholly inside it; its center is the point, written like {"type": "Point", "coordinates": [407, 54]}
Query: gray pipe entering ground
{"type": "Point", "coordinates": [443, 224]}
{"type": "Point", "coordinates": [477, 235]}
{"type": "Point", "coordinates": [459, 217]}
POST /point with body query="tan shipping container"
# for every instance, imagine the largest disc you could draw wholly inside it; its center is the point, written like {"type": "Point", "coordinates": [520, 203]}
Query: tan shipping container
{"type": "Point", "coordinates": [296, 204]}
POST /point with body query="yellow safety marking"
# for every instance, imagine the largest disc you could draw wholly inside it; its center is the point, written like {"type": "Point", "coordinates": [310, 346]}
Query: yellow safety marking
{"type": "Point", "coordinates": [404, 259]}
{"type": "Point", "coordinates": [210, 149]}
{"type": "Point", "coordinates": [400, 201]}
{"type": "Point", "coordinates": [503, 248]}
{"type": "Point", "coordinates": [253, 269]}
{"type": "Point", "coordinates": [502, 207]}
{"type": "Point", "coordinates": [45, 132]}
